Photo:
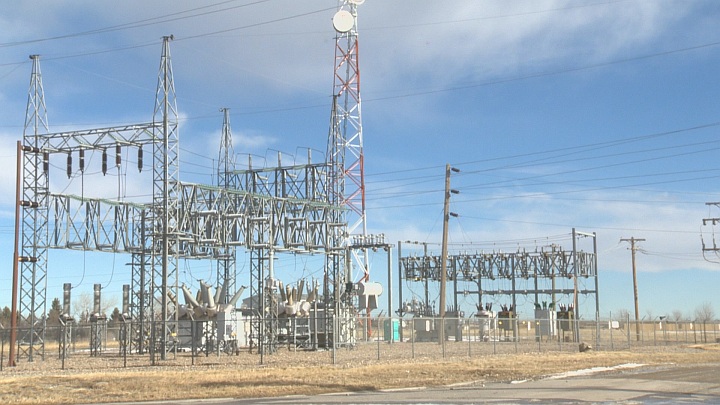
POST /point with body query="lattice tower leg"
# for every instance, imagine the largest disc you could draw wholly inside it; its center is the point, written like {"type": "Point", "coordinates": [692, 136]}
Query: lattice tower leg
{"type": "Point", "coordinates": [124, 338]}
{"type": "Point", "coordinates": [65, 340]}
{"type": "Point", "coordinates": [165, 208]}
{"type": "Point", "coordinates": [96, 338]}
{"type": "Point", "coordinates": [257, 288]}
{"type": "Point", "coordinates": [263, 322]}
{"type": "Point", "coordinates": [33, 274]}
{"type": "Point", "coordinates": [140, 303]}
{"type": "Point", "coordinates": [271, 318]}
{"type": "Point", "coordinates": [227, 275]}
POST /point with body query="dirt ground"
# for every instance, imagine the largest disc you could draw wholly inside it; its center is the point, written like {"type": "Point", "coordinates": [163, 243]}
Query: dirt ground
{"type": "Point", "coordinates": [111, 378]}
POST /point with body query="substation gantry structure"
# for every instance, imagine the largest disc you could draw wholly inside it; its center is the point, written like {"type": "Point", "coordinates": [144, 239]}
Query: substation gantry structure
{"type": "Point", "coordinates": [482, 274]}
{"type": "Point", "coordinates": [302, 208]}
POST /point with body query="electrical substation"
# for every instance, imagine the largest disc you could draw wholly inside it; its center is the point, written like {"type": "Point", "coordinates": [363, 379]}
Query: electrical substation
{"type": "Point", "coordinates": [302, 208]}
{"type": "Point", "coordinates": [311, 208]}
{"type": "Point", "coordinates": [495, 282]}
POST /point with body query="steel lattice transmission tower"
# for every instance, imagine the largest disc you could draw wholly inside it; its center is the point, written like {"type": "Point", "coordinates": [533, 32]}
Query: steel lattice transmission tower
{"type": "Point", "coordinates": [33, 281]}
{"type": "Point", "coordinates": [166, 172]}
{"type": "Point", "coordinates": [345, 140]}
{"type": "Point", "coordinates": [227, 180]}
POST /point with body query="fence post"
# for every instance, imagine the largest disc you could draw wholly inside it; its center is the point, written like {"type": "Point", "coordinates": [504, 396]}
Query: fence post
{"type": "Point", "coordinates": [442, 335]}
{"type": "Point", "coordinates": [495, 338]}
{"type": "Point", "coordinates": [654, 333]}
{"type": "Point", "coordinates": [64, 345]}
{"type": "Point", "coordinates": [193, 345]}
{"type": "Point", "coordinates": [377, 337]}
{"type": "Point", "coordinates": [412, 338]}
{"type": "Point", "coordinates": [628, 330]}
{"type": "Point", "coordinates": [469, 335]}
{"type": "Point", "coordinates": [597, 330]}
{"type": "Point", "coordinates": [334, 332]}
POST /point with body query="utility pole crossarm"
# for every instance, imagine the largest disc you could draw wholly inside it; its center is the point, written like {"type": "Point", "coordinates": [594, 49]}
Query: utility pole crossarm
{"type": "Point", "coordinates": [713, 221]}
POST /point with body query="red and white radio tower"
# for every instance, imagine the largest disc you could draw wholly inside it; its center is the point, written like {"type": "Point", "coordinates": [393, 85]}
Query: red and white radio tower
{"type": "Point", "coordinates": [345, 140]}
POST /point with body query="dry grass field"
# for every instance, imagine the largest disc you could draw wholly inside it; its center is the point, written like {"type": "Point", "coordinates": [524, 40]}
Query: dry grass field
{"type": "Point", "coordinates": [108, 379]}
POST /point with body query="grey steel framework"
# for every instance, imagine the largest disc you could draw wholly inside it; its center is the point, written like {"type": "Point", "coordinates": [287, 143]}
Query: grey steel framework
{"type": "Point", "coordinates": [268, 210]}
{"type": "Point", "coordinates": [166, 184]}
{"type": "Point", "coordinates": [288, 212]}
{"type": "Point", "coordinates": [95, 224]}
{"type": "Point", "coordinates": [480, 269]}
{"type": "Point", "coordinates": [35, 180]}
{"type": "Point", "coordinates": [226, 277]}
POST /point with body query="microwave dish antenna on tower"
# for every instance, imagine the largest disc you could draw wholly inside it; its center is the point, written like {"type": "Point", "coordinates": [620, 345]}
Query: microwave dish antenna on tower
{"type": "Point", "coordinates": [343, 21]}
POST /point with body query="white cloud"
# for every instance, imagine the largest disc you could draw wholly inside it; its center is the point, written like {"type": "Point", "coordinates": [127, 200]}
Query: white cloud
{"type": "Point", "coordinates": [445, 42]}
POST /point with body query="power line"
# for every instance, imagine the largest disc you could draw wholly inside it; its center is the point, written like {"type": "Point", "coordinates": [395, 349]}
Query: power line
{"type": "Point", "coordinates": [544, 74]}
{"type": "Point", "coordinates": [377, 193]}
{"type": "Point", "coordinates": [135, 24]}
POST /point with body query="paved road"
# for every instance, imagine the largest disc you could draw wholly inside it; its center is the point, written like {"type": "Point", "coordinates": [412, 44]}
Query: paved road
{"type": "Point", "coordinates": [671, 385]}
{"type": "Point", "coordinates": [660, 385]}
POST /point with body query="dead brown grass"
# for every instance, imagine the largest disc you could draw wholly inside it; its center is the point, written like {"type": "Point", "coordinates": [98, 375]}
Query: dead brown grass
{"type": "Point", "coordinates": [233, 376]}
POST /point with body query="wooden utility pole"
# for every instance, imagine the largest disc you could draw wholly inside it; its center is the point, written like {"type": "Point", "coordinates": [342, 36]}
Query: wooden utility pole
{"type": "Point", "coordinates": [633, 249]}
{"type": "Point", "coordinates": [444, 249]}
{"type": "Point", "coordinates": [444, 252]}
{"type": "Point", "coordinates": [16, 260]}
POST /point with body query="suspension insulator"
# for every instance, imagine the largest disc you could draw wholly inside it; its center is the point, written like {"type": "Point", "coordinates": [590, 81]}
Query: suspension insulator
{"type": "Point", "coordinates": [118, 153]}
{"type": "Point", "coordinates": [82, 160]}
{"type": "Point", "coordinates": [140, 159]}
{"type": "Point", "coordinates": [104, 162]}
{"type": "Point", "coordinates": [69, 165]}
{"type": "Point", "coordinates": [46, 162]}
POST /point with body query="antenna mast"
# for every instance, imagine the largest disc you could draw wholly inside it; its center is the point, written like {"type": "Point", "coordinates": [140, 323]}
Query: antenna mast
{"type": "Point", "coordinates": [345, 140]}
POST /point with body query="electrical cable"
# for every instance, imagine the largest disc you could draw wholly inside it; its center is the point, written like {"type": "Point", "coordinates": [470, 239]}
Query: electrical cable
{"type": "Point", "coordinates": [112, 270]}
{"type": "Point", "coordinates": [84, 259]}
{"type": "Point", "coordinates": [136, 24]}
{"type": "Point", "coordinates": [486, 185]}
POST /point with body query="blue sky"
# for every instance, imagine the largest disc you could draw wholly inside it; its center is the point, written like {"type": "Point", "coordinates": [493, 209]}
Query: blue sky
{"type": "Point", "coordinates": [598, 115]}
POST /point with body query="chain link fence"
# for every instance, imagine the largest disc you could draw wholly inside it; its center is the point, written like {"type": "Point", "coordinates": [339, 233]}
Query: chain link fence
{"type": "Point", "coordinates": [381, 339]}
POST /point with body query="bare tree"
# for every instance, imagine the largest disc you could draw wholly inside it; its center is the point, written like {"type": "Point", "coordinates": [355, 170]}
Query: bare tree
{"type": "Point", "coordinates": [622, 314]}
{"type": "Point", "coordinates": [83, 307]}
{"type": "Point", "coordinates": [108, 303]}
{"type": "Point", "coordinates": [676, 316]}
{"type": "Point", "coordinates": [704, 313]}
